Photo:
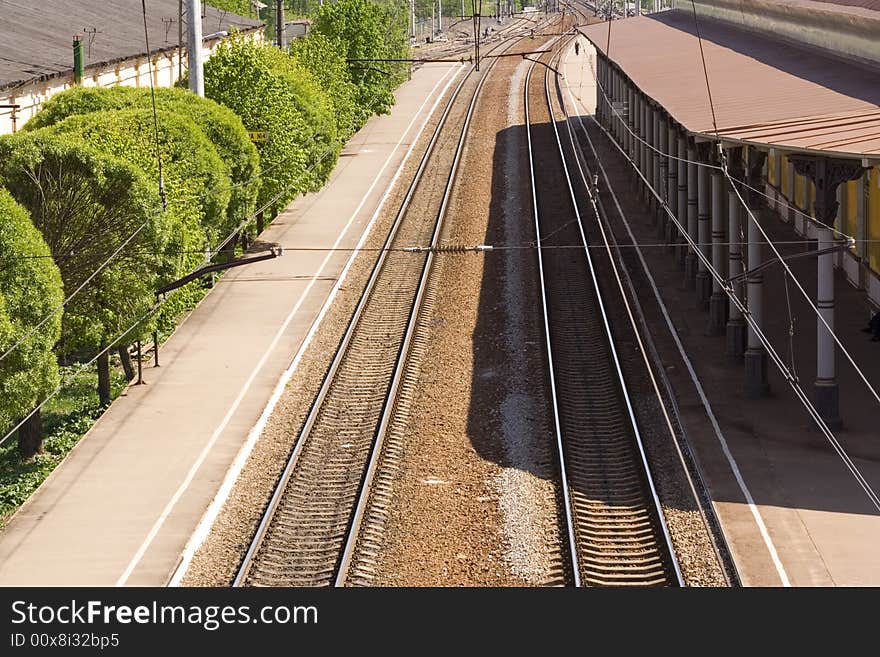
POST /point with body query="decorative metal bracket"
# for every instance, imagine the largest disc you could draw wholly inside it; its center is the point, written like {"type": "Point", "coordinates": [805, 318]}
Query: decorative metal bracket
{"type": "Point", "coordinates": [826, 174]}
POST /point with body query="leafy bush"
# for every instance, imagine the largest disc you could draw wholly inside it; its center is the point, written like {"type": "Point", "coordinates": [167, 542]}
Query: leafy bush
{"type": "Point", "coordinates": [365, 29]}
{"type": "Point", "coordinates": [86, 204]}
{"type": "Point", "coordinates": [324, 59]}
{"type": "Point", "coordinates": [273, 94]}
{"type": "Point", "coordinates": [221, 126]}
{"type": "Point", "coordinates": [30, 288]}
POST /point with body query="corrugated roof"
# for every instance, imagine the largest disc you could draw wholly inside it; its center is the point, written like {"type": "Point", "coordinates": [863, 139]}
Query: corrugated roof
{"type": "Point", "coordinates": [37, 38]}
{"type": "Point", "coordinates": [763, 92]}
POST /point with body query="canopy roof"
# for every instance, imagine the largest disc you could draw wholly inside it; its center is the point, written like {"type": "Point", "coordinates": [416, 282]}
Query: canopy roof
{"type": "Point", "coordinates": [763, 92]}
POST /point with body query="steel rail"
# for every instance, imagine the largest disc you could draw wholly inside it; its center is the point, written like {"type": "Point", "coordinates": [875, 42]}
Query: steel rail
{"type": "Point", "coordinates": [656, 509]}
{"type": "Point", "coordinates": [612, 247]}
{"type": "Point", "coordinates": [342, 350]}
{"type": "Point", "coordinates": [566, 493]}
{"type": "Point", "coordinates": [400, 365]}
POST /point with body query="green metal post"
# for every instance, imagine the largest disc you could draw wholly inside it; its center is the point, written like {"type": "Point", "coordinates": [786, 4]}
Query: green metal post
{"type": "Point", "coordinates": [78, 59]}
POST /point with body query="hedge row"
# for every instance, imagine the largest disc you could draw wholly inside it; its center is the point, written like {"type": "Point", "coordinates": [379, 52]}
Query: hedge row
{"type": "Point", "coordinates": [84, 174]}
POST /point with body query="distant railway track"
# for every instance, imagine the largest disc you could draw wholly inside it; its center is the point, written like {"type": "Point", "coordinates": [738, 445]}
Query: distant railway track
{"type": "Point", "coordinates": [615, 528]}
{"type": "Point", "coordinates": [311, 525]}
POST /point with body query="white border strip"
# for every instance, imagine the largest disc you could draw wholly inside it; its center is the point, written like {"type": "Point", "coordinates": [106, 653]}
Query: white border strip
{"type": "Point", "coordinates": [750, 501]}
{"type": "Point", "coordinates": [213, 511]}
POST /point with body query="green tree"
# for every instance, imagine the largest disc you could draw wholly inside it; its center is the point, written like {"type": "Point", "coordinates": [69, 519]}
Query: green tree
{"type": "Point", "coordinates": [273, 94]}
{"type": "Point", "coordinates": [196, 184]}
{"type": "Point", "coordinates": [86, 204]}
{"type": "Point", "coordinates": [365, 29]}
{"type": "Point", "coordinates": [220, 125]}
{"type": "Point", "coordinates": [30, 288]}
{"type": "Point", "coordinates": [325, 60]}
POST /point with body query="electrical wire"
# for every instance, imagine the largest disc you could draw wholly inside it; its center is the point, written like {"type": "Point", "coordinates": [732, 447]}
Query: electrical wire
{"type": "Point", "coordinates": [756, 328]}
{"type": "Point", "coordinates": [155, 113]}
{"type": "Point", "coordinates": [776, 252]}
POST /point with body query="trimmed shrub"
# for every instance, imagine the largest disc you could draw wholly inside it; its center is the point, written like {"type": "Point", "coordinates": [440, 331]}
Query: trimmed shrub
{"type": "Point", "coordinates": [86, 204]}
{"type": "Point", "coordinates": [30, 288]}
{"type": "Point", "coordinates": [220, 124]}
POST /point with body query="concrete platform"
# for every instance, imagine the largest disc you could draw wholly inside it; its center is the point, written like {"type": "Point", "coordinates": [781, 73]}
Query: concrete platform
{"type": "Point", "coordinates": [122, 506]}
{"type": "Point", "coordinates": [792, 512]}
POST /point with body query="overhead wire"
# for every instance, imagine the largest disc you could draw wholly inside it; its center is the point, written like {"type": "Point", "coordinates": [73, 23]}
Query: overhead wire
{"type": "Point", "coordinates": [776, 253]}
{"type": "Point", "coordinates": [789, 376]}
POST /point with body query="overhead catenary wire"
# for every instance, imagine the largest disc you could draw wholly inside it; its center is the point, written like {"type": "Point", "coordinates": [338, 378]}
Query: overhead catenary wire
{"type": "Point", "coordinates": [155, 113]}
{"type": "Point", "coordinates": [208, 252]}
{"type": "Point", "coordinates": [789, 377]}
{"type": "Point", "coordinates": [770, 243]}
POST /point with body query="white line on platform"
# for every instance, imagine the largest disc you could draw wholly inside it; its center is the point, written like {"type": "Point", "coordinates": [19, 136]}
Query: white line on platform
{"type": "Point", "coordinates": [204, 527]}
{"type": "Point", "coordinates": [750, 501]}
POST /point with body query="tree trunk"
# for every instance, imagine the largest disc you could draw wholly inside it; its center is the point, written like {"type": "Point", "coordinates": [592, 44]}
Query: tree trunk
{"type": "Point", "coordinates": [125, 358]}
{"type": "Point", "coordinates": [30, 436]}
{"type": "Point", "coordinates": [104, 378]}
{"type": "Point", "coordinates": [229, 249]}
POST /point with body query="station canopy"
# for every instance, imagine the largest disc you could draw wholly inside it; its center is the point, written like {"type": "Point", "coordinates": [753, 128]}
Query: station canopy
{"type": "Point", "coordinates": [764, 92]}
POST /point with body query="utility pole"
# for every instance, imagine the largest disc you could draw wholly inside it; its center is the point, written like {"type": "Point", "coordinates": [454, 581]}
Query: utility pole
{"type": "Point", "coordinates": [179, 39]}
{"type": "Point", "coordinates": [439, 17]}
{"type": "Point", "coordinates": [194, 47]}
{"type": "Point", "coordinates": [412, 20]}
{"type": "Point", "coordinates": [279, 22]}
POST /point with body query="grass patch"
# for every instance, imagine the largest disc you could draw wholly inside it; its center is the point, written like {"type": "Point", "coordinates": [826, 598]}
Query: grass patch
{"type": "Point", "coordinates": [66, 418]}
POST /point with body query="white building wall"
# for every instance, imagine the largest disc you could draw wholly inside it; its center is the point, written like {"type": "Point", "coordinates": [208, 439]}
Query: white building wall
{"type": "Point", "coordinates": [132, 72]}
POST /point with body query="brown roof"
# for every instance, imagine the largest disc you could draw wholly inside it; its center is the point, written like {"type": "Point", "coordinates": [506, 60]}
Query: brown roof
{"type": "Point", "coordinates": [763, 92]}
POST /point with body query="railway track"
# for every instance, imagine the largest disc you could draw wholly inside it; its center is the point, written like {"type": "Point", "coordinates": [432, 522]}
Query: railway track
{"type": "Point", "coordinates": [311, 525]}
{"type": "Point", "coordinates": [617, 535]}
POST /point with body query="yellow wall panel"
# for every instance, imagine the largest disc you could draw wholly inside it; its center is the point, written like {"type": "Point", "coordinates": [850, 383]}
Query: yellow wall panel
{"type": "Point", "coordinates": [771, 169]}
{"type": "Point", "coordinates": [783, 184]}
{"type": "Point", "coordinates": [850, 218]}
{"type": "Point", "coordinates": [874, 221]}
{"type": "Point", "coordinates": [798, 192]}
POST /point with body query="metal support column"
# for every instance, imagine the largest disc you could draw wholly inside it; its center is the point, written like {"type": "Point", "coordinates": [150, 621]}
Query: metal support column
{"type": "Point", "coordinates": [656, 172]}
{"type": "Point", "coordinates": [827, 174]}
{"type": "Point", "coordinates": [690, 261]}
{"type": "Point", "coordinates": [663, 177]}
{"type": "Point", "coordinates": [826, 389]}
{"type": "Point", "coordinates": [718, 300]}
{"type": "Point", "coordinates": [671, 181]}
{"type": "Point", "coordinates": [704, 217]}
{"type": "Point", "coordinates": [755, 358]}
{"type": "Point", "coordinates": [682, 203]}
{"type": "Point", "coordinates": [736, 326]}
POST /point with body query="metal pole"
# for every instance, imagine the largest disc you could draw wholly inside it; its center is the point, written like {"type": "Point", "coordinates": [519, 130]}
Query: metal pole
{"type": "Point", "coordinates": [682, 198]}
{"type": "Point", "coordinates": [78, 65]}
{"type": "Point", "coordinates": [736, 327]}
{"type": "Point", "coordinates": [717, 302]}
{"type": "Point", "coordinates": [279, 23]}
{"type": "Point", "coordinates": [155, 349]}
{"type": "Point", "coordinates": [690, 261]}
{"type": "Point", "coordinates": [140, 380]}
{"type": "Point", "coordinates": [704, 217]}
{"type": "Point", "coordinates": [179, 39]}
{"type": "Point", "coordinates": [194, 47]}
{"type": "Point", "coordinates": [826, 388]}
